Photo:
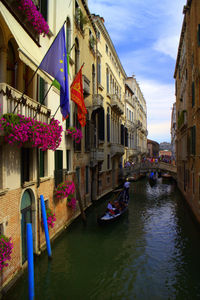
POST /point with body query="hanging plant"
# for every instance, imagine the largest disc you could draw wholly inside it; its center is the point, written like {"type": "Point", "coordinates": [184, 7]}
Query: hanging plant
{"type": "Point", "coordinates": [34, 16]}
{"type": "Point", "coordinates": [19, 129]}
{"type": "Point", "coordinates": [75, 133]}
{"type": "Point", "coordinates": [50, 218]}
{"type": "Point", "coordinates": [64, 189]}
{"type": "Point", "coordinates": [6, 247]}
{"type": "Point", "coordinates": [71, 202]}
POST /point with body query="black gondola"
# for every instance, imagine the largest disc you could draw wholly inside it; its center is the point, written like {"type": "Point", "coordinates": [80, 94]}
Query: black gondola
{"type": "Point", "coordinates": [107, 217]}
{"type": "Point", "coordinates": [152, 179]}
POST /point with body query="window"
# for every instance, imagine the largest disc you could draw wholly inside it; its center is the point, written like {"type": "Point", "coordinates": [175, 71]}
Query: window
{"type": "Point", "coordinates": [26, 164]}
{"type": "Point", "coordinates": [193, 140]}
{"type": "Point", "coordinates": [87, 180]}
{"type": "Point", "coordinates": [101, 125]}
{"type": "Point", "coordinates": [77, 146]}
{"type": "Point", "coordinates": [42, 163]}
{"type": "Point", "coordinates": [98, 34]}
{"type": "Point", "coordinates": [99, 70]}
{"type": "Point", "coordinates": [68, 122]}
{"type": "Point", "coordinates": [107, 49]}
{"type": "Point", "coordinates": [58, 167]}
{"type": "Point", "coordinates": [108, 125]}
{"type": "Point", "coordinates": [68, 160]}
{"type": "Point", "coordinates": [108, 161]}
{"type": "Point", "coordinates": [107, 80]}
{"type": "Point", "coordinates": [93, 79]}
{"type": "Point", "coordinates": [68, 36]}
{"type": "Point", "coordinates": [87, 134]}
{"type": "Point", "coordinates": [77, 53]}
{"type": "Point", "coordinates": [41, 90]}
{"type": "Point", "coordinates": [44, 8]}
{"type": "Point", "coordinates": [11, 66]}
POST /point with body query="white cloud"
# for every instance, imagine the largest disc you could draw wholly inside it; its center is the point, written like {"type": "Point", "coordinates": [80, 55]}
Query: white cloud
{"type": "Point", "coordinates": [159, 132]}
{"type": "Point", "coordinates": [168, 45]}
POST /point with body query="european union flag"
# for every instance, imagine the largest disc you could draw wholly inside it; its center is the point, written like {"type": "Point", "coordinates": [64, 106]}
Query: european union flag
{"type": "Point", "coordinates": [55, 63]}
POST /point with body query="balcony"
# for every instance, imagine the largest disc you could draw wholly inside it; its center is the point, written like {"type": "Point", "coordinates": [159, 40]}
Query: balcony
{"type": "Point", "coordinates": [116, 150]}
{"type": "Point", "coordinates": [97, 155]}
{"type": "Point", "coordinates": [116, 104]}
{"type": "Point", "coordinates": [132, 152]}
{"type": "Point", "coordinates": [10, 98]}
{"type": "Point", "coordinates": [97, 101]}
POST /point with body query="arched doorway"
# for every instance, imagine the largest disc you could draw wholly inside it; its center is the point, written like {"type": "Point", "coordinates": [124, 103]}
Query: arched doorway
{"type": "Point", "coordinates": [26, 217]}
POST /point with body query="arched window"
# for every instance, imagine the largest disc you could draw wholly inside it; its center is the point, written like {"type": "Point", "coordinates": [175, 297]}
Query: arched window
{"type": "Point", "coordinates": [99, 70]}
{"type": "Point", "coordinates": [68, 35]}
{"type": "Point", "coordinates": [77, 53]}
{"type": "Point", "coordinates": [11, 66]}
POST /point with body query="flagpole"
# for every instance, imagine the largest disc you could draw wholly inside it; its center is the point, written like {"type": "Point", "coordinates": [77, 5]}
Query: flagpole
{"type": "Point", "coordinates": [36, 70]}
{"type": "Point", "coordinates": [56, 112]}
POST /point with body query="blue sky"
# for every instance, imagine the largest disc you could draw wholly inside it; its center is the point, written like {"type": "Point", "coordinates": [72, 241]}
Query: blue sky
{"type": "Point", "coordinates": [146, 34]}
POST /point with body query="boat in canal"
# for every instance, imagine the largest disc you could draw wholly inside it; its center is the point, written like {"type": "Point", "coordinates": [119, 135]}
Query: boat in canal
{"type": "Point", "coordinates": [107, 217]}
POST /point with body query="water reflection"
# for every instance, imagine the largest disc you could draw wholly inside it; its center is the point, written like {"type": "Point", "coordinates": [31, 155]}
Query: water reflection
{"type": "Point", "coordinates": [151, 253]}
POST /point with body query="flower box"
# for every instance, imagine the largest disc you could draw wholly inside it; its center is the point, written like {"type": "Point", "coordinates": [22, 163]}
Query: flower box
{"type": "Point", "coordinates": [20, 130]}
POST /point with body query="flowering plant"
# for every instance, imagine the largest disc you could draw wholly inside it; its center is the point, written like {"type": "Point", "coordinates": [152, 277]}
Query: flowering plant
{"type": "Point", "coordinates": [66, 189]}
{"type": "Point", "coordinates": [75, 133]}
{"type": "Point", "coordinates": [22, 129]}
{"type": "Point", "coordinates": [34, 16]}
{"type": "Point", "coordinates": [71, 202]}
{"type": "Point", "coordinates": [50, 218]}
{"type": "Point", "coordinates": [5, 250]}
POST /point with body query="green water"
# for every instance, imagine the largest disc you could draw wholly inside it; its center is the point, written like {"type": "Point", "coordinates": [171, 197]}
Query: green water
{"type": "Point", "coordinates": [152, 253]}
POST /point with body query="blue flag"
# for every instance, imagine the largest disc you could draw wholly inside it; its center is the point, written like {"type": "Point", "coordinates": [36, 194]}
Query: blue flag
{"type": "Point", "coordinates": [55, 63]}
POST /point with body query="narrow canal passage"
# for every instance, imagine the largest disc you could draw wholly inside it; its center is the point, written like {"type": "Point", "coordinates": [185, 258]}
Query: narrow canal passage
{"type": "Point", "coordinates": [151, 253]}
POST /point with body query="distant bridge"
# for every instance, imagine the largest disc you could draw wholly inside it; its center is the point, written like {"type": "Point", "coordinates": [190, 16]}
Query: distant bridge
{"type": "Point", "coordinates": [147, 167]}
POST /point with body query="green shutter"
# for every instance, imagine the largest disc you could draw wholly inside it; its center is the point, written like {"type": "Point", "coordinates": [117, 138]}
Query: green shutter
{"type": "Point", "coordinates": [44, 8]}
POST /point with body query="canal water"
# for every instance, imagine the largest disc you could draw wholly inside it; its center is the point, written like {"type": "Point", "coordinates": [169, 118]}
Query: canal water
{"type": "Point", "coordinates": [152, 253]}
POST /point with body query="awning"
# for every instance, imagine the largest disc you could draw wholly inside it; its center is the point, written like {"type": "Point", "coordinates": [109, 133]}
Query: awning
{"type": "Point", "coordinates": [29, 52]}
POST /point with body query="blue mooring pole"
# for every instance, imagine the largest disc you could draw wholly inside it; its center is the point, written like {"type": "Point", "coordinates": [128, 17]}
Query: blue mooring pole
{"type": "Point", "coordinates": [30, 261]}
{"type": "Point", "coordinates": [44, 216]}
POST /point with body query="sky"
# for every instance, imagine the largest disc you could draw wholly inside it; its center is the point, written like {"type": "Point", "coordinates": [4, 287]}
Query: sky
{"type": "Point", "coordinates": [146, 36]}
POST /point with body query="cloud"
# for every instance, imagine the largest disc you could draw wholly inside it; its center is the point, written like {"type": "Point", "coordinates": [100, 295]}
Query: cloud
{"type": "Point", "coordinates": [159, 132]}
{"type": "Point", "coordinates": [167, 45]}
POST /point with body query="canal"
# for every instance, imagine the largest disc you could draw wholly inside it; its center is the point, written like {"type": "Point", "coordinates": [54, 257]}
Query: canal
{"type": "Point", "coordinates": [151, 253]}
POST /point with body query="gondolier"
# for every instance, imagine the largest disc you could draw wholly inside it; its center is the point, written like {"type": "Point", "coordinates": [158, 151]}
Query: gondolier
{"type": "Point", "coordinates": [126, 189]}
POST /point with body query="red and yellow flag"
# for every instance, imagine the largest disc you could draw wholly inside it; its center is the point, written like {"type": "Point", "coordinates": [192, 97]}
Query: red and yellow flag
{"type": "Point", "coordinates": [77, 97]}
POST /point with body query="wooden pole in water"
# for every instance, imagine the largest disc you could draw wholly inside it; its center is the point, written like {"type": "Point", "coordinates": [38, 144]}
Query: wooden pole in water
{"type": "Point", "coordinates": [79, 200]}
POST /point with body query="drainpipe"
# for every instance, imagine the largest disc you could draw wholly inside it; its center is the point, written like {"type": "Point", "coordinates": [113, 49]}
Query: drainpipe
{"type": "Point", "coordinates": [38, 196]}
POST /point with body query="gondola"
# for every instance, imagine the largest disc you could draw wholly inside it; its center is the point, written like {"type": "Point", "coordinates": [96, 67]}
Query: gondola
{"type": "Point", "coordinates": [107, 218]}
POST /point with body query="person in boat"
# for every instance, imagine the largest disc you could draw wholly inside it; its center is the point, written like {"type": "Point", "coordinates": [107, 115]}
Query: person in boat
{"type": "Point", "coordinates": [110, 208]}
{"type": "Point", "coordinates": [126, 190]}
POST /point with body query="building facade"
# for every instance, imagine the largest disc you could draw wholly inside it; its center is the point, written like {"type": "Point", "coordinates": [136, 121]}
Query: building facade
{"type": "Point", "coordinates": [187, 78]}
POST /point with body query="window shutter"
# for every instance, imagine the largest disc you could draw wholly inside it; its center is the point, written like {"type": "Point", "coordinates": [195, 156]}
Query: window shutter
{"type": "Point", "coordinates": [126, 137]}
{"type": "Point", "coordinates": [101, 125]}
{"type": "Point", "coordinates": [44, 8]}
{"type": "Point", "coordinates": [41, 90]}
{"type": "Point", "coordinates": [108, 128]}
{"type": "Point", "coordinates": [122, 134]}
